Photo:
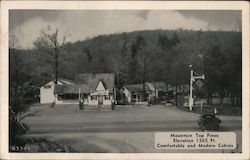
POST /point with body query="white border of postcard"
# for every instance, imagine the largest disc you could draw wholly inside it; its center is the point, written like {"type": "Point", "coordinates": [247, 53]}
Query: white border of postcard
{"type": "Point", "coordinates": [126, 5]}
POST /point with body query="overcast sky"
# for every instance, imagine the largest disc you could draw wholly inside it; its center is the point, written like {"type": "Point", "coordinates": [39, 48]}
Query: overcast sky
{"type": "Point", "coordinates": [79, 25]}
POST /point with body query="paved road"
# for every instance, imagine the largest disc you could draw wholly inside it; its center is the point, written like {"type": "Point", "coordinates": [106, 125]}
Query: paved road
{"type": "Point", "coordinates": [146, 126]}
{"type": "Point", "coordinates": [127, 130]}
{"type": "Point", "coordinates": [124, 119]}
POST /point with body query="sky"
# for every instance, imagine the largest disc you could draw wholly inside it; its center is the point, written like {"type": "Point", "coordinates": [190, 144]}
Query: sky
{"type": "Point", "coordinates": [26, 25]}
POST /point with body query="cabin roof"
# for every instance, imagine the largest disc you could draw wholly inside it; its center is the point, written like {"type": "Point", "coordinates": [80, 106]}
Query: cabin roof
{"type": "Point", "coordinates": [87, 83]}
{"type": "Point", "coordinates": [137, 87]}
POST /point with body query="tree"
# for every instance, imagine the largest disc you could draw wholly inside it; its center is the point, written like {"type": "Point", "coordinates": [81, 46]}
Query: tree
{"type": "Point", "coordinates": [120, 52]}
{"type": "Point", "coordinates": [141, 45]}
{"type": "Point", "coordinates": [133, 68]}
{"type": "Point", "coordinates": [233, 70]}
{"type": "Point", "coordinates": [175, 39]}
{"type": "Point", "coordinates": [174, 60]}
{"type": "Point", "coordinates": [118, 64]}
{"type": "Point", "coordinates": [157, 68]}
{"type": "Point", "coordinates": [178, 69]}
{"type": "Point", "coordinates": [214, 62]}
{"type": "Point", "coordinates": [49, 43]}
{"type": "Point", "coordinates": [142, 50]}
{"type": "Point", "coordinates": [84, 60]}
{"type": "Point", "coordinates": [164, 43]}
{"type": "Point", "coordinates": [21, 95]}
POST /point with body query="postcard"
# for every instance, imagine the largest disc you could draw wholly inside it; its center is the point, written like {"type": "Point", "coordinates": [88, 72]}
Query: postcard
{"type": "Point", "coordinates": [124, 80]}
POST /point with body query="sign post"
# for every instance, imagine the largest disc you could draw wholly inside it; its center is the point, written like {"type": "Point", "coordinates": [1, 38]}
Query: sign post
{"type": "Point", "coordinates": [199, 83]}
{"type": "Point", "coordinates": [191, 100]}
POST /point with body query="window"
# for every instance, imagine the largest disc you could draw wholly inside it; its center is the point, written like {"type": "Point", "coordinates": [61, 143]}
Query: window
{"type": "Point", "coordinates": [47, 86]}
{"type": "Point", "coordinates": [93, 97]}
{"type": "Point", "coordinates": [161, 94]}
{"type": "Point", "coordinates": [133, 98]}
{"type": "Point", "coordinates": [106, 97]}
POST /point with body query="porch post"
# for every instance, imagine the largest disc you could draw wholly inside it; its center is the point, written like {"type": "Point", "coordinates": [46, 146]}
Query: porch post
{"type": "Point", "coordinates": [79, 94]}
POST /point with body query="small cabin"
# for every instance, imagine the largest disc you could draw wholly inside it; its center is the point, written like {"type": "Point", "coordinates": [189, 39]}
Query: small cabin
{"type": "Point", "coordinates": [134, 93]}
{"type": "Point", "coordinates": [94, 89]}
{"type": "Point", "coordinates": [47, 90]}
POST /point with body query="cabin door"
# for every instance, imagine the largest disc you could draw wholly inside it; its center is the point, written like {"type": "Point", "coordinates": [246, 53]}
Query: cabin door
{"type": "Point", "coordinates": [100, 100]}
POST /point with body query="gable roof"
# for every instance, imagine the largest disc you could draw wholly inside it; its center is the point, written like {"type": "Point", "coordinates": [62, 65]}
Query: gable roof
{"type": "Point", "coordinates": [103, 84]}
{"type": "Point", "coordinates": [92, 80]}
{"type": "Point", "coordinates": [137, 87]}
{"type": "Point", "coordinates": [157, 85]}
{"type": "Point", "coordinates": [164, 87]}
{"type": "Point", "coordinates": [87, 83]}
{"type": "Point", "coordinates": [63, 81]}
{"type": "Point", "coordinates": [71, 89]}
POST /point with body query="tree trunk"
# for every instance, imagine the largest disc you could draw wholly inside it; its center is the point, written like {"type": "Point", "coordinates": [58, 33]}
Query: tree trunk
{"type": "Point", "coordinates": [221, 99]}
{"type": "Point", "coordinates": [210, 98]}
{"type": "Point", "coordinates": [56, 65]}
{"type": "Point", "coordinates": [167, 96]}
{"type": "Point", "coordinates": [176, 95]}
{"type": "Point", "coordinates": [117, 79]}
{"type": "Point", "coordinates": [144, 79]}
{"type": "Point", "coordinates": [144, 90]}
{"type": "Point", "coordinates": [155, 92]}
{"type": "Point", "coordinates": [238, 99]}
{"type": "Point", "coordinates": [232, 99]}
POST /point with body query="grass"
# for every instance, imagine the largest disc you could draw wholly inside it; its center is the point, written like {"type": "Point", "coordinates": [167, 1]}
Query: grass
{"type": "Point", "coordinates": [44, 145]}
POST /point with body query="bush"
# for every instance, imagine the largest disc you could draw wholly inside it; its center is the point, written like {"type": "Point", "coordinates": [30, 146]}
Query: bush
{"type": "Point", "coordinates": [21, 97]}
{"type": "Point", "coordinates": [17, 129]}
{"type": "Point", "coordinates": [45, 145]}
{"type": "Point", "coordinates": [52, 105]}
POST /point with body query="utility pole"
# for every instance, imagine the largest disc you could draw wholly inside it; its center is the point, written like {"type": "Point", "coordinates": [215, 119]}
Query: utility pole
{"type": "Point", "coordinates": [192, 79]}
{"type": "Point", "coordinates": [191, 100]}
{"type": "Point", "coordinates": [116, 87]}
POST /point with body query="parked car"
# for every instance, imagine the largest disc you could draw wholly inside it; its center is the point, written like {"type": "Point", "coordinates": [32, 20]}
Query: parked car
{"type": "Point", "coordinates": [209, 122]}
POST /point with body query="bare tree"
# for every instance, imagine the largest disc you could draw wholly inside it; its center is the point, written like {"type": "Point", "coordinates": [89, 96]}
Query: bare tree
{"type": "Point", "coordinates": [144, 59]}
{"type": "Point", "coordinates": [49, 43]}
{"type": "Point", "coordinates": [118, 65]}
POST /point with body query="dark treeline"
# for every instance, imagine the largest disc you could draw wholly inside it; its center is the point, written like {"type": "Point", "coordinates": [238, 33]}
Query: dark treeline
{"type": "Point", "coordinates": [142, 56]}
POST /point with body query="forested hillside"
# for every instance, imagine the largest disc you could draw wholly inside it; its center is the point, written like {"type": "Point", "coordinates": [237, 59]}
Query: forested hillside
{"type": "Point", "coordinates": [142, 56]}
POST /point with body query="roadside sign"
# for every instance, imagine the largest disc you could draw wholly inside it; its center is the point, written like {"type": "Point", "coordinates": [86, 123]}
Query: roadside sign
{"type": "Point", "coordinates": [199, 83]}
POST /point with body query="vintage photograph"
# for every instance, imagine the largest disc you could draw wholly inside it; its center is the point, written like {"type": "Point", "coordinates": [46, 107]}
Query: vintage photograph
{"type": "Point", "coordinates": [109, 81]}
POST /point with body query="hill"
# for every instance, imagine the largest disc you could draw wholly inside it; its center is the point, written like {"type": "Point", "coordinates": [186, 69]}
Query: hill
{"type": "Point", "coordinates": [136, 57]}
